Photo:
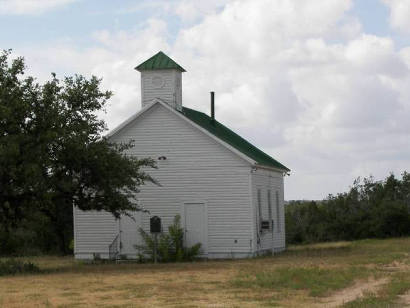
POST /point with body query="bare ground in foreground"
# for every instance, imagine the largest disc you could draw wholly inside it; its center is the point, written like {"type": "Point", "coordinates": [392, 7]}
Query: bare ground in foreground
{"type": "Point", "coordinates": [368, 273]}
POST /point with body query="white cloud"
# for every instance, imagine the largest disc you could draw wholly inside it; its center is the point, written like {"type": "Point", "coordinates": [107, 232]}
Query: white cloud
{"type": "Point", "coordinates": [299, 79]}
{"type": "Point", "coordinates": [399, 14]}
{"type": "Point", "coordinates": [113, 57]}
{"type": "Point", "coordinates": [23, 7]}
{"type": "Point", "coordinates": [188, 11]}
{"type": "Point", "coordinates": [192, 10]}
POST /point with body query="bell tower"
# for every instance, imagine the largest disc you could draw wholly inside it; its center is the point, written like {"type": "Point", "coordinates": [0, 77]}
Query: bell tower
{"type": "Point", "coordinates": [161, 77]}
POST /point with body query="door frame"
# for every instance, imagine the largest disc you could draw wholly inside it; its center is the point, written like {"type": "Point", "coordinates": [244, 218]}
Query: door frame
{"type": "Point", "coordinates": [183, 206]}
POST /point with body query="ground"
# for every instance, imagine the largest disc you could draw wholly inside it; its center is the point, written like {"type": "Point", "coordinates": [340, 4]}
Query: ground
{"type": "Point", "coordinates": [367, 273]}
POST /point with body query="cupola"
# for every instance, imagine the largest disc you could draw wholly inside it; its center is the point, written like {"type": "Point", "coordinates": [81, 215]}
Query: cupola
{"type": "Point", "coordinates": [161, 77]}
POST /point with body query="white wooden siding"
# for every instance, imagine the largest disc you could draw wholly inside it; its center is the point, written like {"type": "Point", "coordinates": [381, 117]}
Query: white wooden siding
{"type": "Point", "coordinates": [94, 232]}
{"type": "Point", "coordinates": [178, 89]}
{"type": "Point", "coordinates": [170, 92]}
{"type": "Point", "coordinates": [268, 180]}
{"type": "Point", "coordinates": [197, 168]}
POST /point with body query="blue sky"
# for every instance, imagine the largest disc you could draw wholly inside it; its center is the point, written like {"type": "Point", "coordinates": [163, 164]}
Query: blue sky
{"type": "Point", "coordinates": [79, 19]}
{"type": "Point", "coordinates": [320, 85]}
{"type": "Point", "coordinates": [374, 17]}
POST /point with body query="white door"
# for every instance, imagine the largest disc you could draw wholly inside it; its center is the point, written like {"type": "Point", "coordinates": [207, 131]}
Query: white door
{"type": "Point", "coordinates": [130, 234]}
{"type": "Point", "coordinates": [196, 225]}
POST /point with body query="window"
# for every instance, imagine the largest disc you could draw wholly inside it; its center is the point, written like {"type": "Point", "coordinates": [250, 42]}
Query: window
{"type": "Point", "coordinates": [260, 209]}
{"type": "Point", "coordinates": [270, 210]}
{"type": "Point", "coordinates": [277, 212]}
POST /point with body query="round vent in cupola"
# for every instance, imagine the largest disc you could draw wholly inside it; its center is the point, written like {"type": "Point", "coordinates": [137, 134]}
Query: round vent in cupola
{"type": "Point", "coordinates": [157, 81]}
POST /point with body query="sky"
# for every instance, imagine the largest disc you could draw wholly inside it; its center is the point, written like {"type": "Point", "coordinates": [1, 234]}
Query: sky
{"type": "Point", "coordinates": [321, 86]}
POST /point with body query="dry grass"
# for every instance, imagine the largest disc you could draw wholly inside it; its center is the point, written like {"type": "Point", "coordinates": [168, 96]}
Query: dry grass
{"type": "Point", "coordinates": [230, 283]}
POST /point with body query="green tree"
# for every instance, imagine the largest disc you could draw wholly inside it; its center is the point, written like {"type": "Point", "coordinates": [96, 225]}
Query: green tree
{"type": "Point", "coordinates": [369, 209]}
{"type": "Point", "coordinates": [53, 154]}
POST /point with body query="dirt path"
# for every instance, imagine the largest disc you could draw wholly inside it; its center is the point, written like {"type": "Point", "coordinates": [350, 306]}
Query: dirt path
{"type": "Point", "coordinates": [351, 293]}
{"type": "Point", "coordinates": [397, 266]}
{"type": "Point", "coordinates": [405, 299]}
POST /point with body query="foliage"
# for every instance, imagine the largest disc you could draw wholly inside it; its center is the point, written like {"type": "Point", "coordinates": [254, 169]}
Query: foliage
{"type": "Point", "coordinates": [53, 154]}
{"type": "Point", "coordinates": [13, 266]}
{"type": "Point", "coordinates": [190, 253]}
{"type": "Point", "coordinates": [176, 234]}
{"type": "Point", "coordinates": [370, 209]}
{"type": "Point", "coordinates": [170, 246]}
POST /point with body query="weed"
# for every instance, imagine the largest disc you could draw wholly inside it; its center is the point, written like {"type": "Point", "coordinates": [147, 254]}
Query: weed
{"type": "Point", "coordinates": [170, 247]}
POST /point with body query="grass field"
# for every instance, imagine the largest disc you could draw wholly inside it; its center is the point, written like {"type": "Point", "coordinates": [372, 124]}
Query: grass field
{"type": "Point", "coordinates": [368, 273]}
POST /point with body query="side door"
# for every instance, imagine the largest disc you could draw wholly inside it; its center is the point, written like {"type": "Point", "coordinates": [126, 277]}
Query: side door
{"type": "Point", "coordinates": [196, 225]}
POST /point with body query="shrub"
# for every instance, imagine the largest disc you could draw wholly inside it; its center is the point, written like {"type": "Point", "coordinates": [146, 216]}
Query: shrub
{"type": "Point", "coordinates": [190, 253]}
{"type": "Point", "coordinates": [370, 209]}
{"type": "Point", "coordinates": [71, 246]}
{"type": "Point", "coordinates": [170, 247]}
{"type": "Point", "coordinates": [13, 266]}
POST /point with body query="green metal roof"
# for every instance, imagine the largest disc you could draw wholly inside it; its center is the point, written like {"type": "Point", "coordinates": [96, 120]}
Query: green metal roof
{"type": "Point", "coordinates": [160, 61]}
{"type": "Point", "coordinates": [236, 141]}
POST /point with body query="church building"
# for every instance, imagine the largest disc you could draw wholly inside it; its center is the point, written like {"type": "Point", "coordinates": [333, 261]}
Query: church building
{"type": "Point", "coordinates": [229, 193]}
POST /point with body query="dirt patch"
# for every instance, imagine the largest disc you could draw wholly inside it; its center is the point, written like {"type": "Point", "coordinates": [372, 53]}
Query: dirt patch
{"type": "Point", "coordinates": [397, 266]}
{"type": "Point", "coordinates": [405, 299]}
{"type": "Point", "coordinates": [359, 289]}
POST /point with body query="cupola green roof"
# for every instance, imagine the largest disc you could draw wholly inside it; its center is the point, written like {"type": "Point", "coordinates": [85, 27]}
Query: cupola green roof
{"type": "Point", "coordinates": [160, 61]}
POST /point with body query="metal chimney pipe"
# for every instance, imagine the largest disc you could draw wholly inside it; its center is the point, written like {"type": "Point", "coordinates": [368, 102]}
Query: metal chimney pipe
{"type": "Point", "coordinates": [212, 106]}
